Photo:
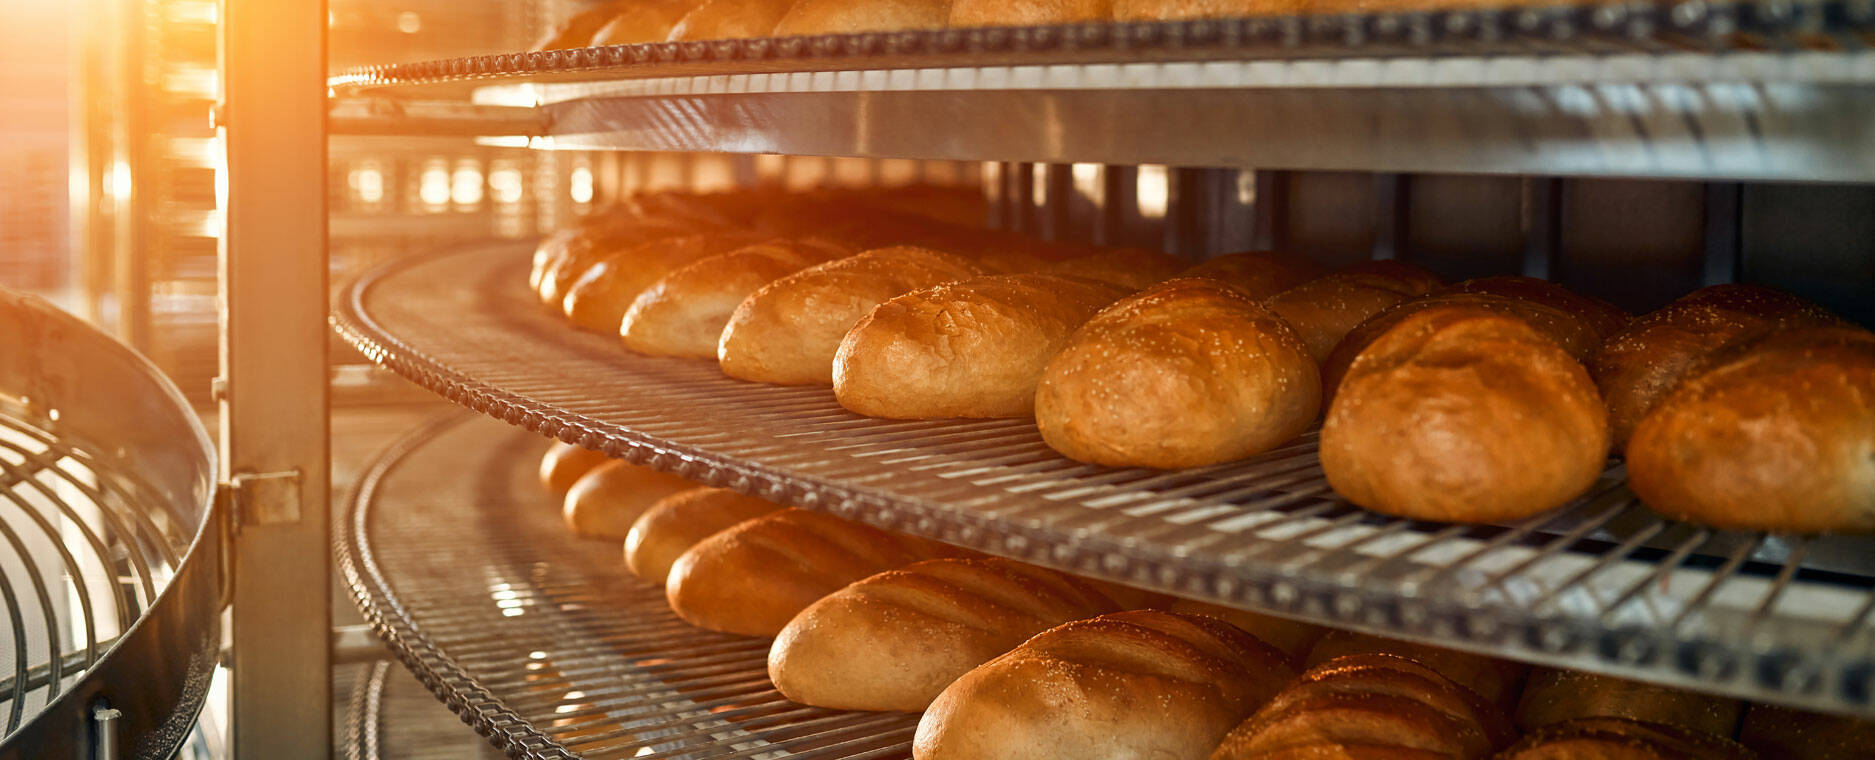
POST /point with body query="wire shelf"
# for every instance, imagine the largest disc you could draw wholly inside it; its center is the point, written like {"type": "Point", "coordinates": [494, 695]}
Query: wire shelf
{"type": "Point", "coordinates": [1602, 584]}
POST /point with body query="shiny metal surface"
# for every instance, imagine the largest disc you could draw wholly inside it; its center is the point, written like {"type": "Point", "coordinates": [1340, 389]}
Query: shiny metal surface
{"type": "Point", "coordinates": [1602, 584]}
{"type": "Point", "coordinates": [109, 565]}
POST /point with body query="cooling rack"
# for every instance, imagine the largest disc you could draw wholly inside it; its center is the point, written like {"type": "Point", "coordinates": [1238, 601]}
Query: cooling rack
{"type": "Point", "coordinates": [1602, 584]}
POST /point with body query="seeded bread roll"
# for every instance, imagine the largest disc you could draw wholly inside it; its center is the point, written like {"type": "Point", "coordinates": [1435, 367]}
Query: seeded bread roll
{"type": "Point", "coordinates": [731, 19]}
{"type": "Point", "coordinates": [1639, 365]}
{"type": "Point", "coordinates": [1772, 432]}
{"type": "Point", "coordinates": [683, 313]}
{"type": "Point", "coordinates": [597, 300]}
{"type": "Point", "coordinates": [1186, 373]}
{"type": "Point", "coordinates": [754, 577]}
{"type": "Point", "coordinates": [1786, 734]}
{"type": "Point", "coordinates": [564, 463]}
{"type": "Point", "coordinates": [644, 21]}
{"type": "Point", "coordinates": [1131, 268]}
{"type": "Point", "coordinates": [1460, 414]}
{"type": "Point", "coordinates": [1259, 274]}
{"type": "Point", "coordinates": [1370, 706]}
{"type": "Point", "coordinates": [974, 348]}
{"type": "Point", "coordinates": [677, 522]}
{"type": "Point", "coordinates": [1294, 637]}
{"type": "Point", "coordinates": [1168, 10]}
{"type": "Point", "coordinates": [1028, 12]}
{"type": "Point", "coordinates": [1132, 684]}
{"type": "Point", "coordinates": [1496, 681]}
{"type": "Point", "coordinates": [1619, 739]}
{"type": "Point", "coordinates": [855, 16]}
{"type": "Point", "coordinates": [788, 331]}
{"type": "Point", "coordinates": [1324, 310]}
{"type": "Point", "coordinates": [605, 501]}
{"type": "Point", "coordinates": [896, 639]}
{"type": "Point", "coordinates": [1555, 696]}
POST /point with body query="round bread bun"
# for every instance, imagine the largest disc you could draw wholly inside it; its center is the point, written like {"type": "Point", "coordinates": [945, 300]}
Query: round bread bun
{"type": "Point", "coordinates": [606, 500]}
{"type": "Point", "coordinates": [1132, 268]}
{"type": "Point", "coordinates": [564, 463]}
{"type": "Point", "coordinates": [679, 521]}
{"type": "Point", "coordinates": [1259, 274]}
{"type": "Point", "coordinates": [1324, 310]}
{"type": "Point", "coordinates": [1462, 414]}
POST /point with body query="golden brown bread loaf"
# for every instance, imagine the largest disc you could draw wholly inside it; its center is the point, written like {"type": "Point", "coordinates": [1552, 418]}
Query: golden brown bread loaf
{"type": "Point", "coordinates": [1131, 268]}
{"type": "Point", "coordinates": [1638, 366]}
{"type": "Point", "coordinates": [1028, 12]}
{"type": "Point", "coordinates": [598, 298]}
{"type": "Point", "coordinates": [590, 245]}
{"type": "Point", "coordinates": [1168, 10]}
{"type": "Point", "coordinates": [1554, 696]}
{"type": "Point", "coordinates": [1496, 681]}
{"type": "Point", "coordinates": [789, 330]}
{"type": "Point", "coordinates": [578, 30]}
{"type": "Point", "coordinates": [1786, 734]}
{"type": "Point", "coordinates": [1132, 684]}
{"type": "Point", "coordinates": [1603, 318]}
{"type": "Point", "coordinates": [677, 522]}
{"type": "Point", "coordinates": [605, 501]}
{"type": "Point", "coordinates": [1186, 373]}
{"type": "Point", "coordinates": [1620, 739]}
{"type": "Point", "coordinates": [974, 348]}
{"type": "Point", "coordinates": [731, 19]}
{"type": "Point", "coordinates": [1370, 705]}
{"type": "Point", "coordinates": [754, 577]}
{"type": "Point", "coordinates": [1293, 637]}
{"type": "Point", "coordinates": [1772, 432]}
{"type": "Point", "coordinates": [1259, 274]}
{"type": "Point", "coordinates": [644, 21]}
{"type": "Point", "coordinates": [855, 16]}
{"type": "Point", "coordinates": [896, 639]}
{"type": "Point", "coordinates": [564, 463]}
{"type": "Point", "coordinates": [683, 313]}
{"type": "Point", "coordinates": [1324, 310]}
{"type": "Point", "coordinates": [1459, 414]}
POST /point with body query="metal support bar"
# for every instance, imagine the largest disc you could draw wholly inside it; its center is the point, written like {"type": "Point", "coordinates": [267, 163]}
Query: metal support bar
{"type": "Point", "coordinates": [390, 116]}
{"type": "Point", "coordinates": [1270, 232]}
{"type": "Point", "coordinates": [273, 359]}
{"type": "Point", "coordinates": [353, 644]}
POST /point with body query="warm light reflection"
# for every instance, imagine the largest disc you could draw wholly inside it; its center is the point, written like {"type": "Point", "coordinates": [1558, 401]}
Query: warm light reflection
{"type": "Point", "coordinates": [1086, 179]}
{"type": "Point", "coordinates": [579, 185]}
{"type": "Point", "coordinates": [433, 185]}
{"type": "Point", "coordinates": [409, 22]}
{"type": "Point", "coordinates": [465, 186]}
{"type": "Point", "coordinates": [1153, 191]}
{"type": "Point", "coordinates": [1038, 185]}
{"type": "Point", "coordinates": [367, 183]}
{"type": "Point", "coordinates": [506, 182]}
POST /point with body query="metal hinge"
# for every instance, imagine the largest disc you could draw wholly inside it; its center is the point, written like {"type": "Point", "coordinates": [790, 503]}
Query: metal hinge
{"type": "Point", "coordinates": [262, 498]}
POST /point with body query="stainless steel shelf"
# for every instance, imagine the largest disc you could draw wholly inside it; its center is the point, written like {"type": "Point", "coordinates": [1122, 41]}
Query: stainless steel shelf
{"type": "Point", "coordinates": [1602, 584]}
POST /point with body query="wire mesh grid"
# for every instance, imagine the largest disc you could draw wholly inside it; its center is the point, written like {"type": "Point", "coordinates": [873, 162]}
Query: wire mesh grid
{"type": "Point", "coordinates": [1602, 584]}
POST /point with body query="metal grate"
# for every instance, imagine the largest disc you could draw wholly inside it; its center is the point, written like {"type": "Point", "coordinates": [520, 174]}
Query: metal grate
{"type": "Point", "coordinates": [542, 641]}
{"type": "Point", "coordinates": [1602, 584]}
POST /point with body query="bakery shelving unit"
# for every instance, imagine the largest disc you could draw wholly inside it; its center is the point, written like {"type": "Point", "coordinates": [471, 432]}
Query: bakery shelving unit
{"type": "Point", "coordinates": [1721, 92]}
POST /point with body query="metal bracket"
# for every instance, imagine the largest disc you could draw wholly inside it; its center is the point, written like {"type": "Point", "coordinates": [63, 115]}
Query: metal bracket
{"type": "Point", "coordinates": [263, 498]}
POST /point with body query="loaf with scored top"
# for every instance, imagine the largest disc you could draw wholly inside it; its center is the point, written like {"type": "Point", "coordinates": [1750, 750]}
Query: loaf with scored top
{"type": "Point", "coordinates": [644, 21]}
{"type": "Point", "coordinates": [1259, 274]}
{"type": "Point", "coordinates": [1028, 12]}
{"type": "Point", "coordinates": [1497, 681]}
{"type": "Point", "coordinates": [1786, 734]}
{"type": "Point", "coordinates": [683, 313]}
{"type": "Point", "coordinates": [598, 298]}
{"type": "Point", "coordinates": [731, 19]}
{"type": "Point", "coordinates": [1167, 10]}
{"type": "Point", "coordinates": [578, 30]}
{"type": "Point", "coordinates": [855, 16]}
{"type": "Point", "coordinates": [1131, 268]}
{"type": "Point", "coordinates": [1324, 310]}
{"type": "Point", "coordinates": [1294, 637]}
{"type": "Point", "coordinates": [1622, 739]}
{"type": "Point", "coordinates": [606, 500]}
{"type": "Point", "coordinates": [679, 521]}
{"type": "Point", "coordinates": [1555, 696]}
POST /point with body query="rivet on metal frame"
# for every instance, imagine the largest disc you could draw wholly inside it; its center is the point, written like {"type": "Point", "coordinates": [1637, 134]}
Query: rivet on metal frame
{"type": "Point", "coordinates": [265, 498]}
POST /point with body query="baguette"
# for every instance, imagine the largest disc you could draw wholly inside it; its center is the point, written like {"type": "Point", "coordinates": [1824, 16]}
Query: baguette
{"type": "Point", "coordinates": [605, 501]}
{"type": "Point", "coordinates": [1028, 12]}
{"type": "Point", "coordinates": [731, 19]}
{"type": "Point", "coordinates": [1772, 432]}
{"type": "Point", "coordinates": [788, 331]}
{"type": "Point", "coordinates": [1786, 734]}
{"type": "Point", "coordinates": [589, 246]}
{"type": "Point", "coordinates": [753, 578]}
{"type": "Point", "coordinates": [855, 16]}
{"type": "Point", "coordinates": [1370, 705]}
{"type": "Point", "coordinates": [677, 522]}
{"type": "Point", "coordinates": [974, 348]}
{"type": "Point", "coordinates": [1324, 310]}
{"type": "Point", "coordinates": [683, 313]}
{"type": "Point", "coordinates": [896, 639]}
{"type": "Point", "coordinates": [1293, 637]}
{"type": "Point", "coordinates": [1555, 696]}
{"type": "Point", "coordinates": [1130, 268]}
{"type": "Point", "coordinates": [598, 298]}
{"type": "Point", "coordinates": [1462, 414]}
{"type": "Point", "coordinates": [1187, 373]}
{"type": "Point", "coordinates": [564, 463]}
{"type": "Point", "coordinates": [1132, 684]}
{"type": "Point", "coordinates": [1259, 274]}
{"type": "Point", "coordinates": [1638, 366]}
{"type": "Point", "coordinates": [1621, 739]}
{"type": "Point", "coordinates": [1496, 681]}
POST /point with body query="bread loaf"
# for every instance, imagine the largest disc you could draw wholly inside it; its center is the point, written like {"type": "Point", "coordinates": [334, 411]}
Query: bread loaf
{"type": "Point", "coordinates": [598, 298]}
{"type": "Point", "coordinates": [1187, 373]}
{"type": "Point", "coordinates": [564, 463]}
{"type": "Point", "coordinates": [1324, 310]}
{"type": "Point", "coordinates": [1259, 274]}
{"type": "Point", "coordinates": [1771, 432]}
{"type": "Point", "coordinates": [1496, 681]}
{"type": "Point", "coordinates": [1554, 696]}
{"type": "Point", "coordinates": [1460, 414]}
{"type": "Point", "coordinates": [1131, 268]}
{"type": "Point", "coordinates": [578, 30]}
{"type": "Point", "coordinates": [1786, 734]}
{"type": "Point", "coordinates": [1293, 637]}
{"type": "Point", "coordinates": [1028, 12]}
{"type": "Point", "coordinates": [855, 16]}
{"type": "Point", "coordinates": [1619, 739]}
{"type": "Point", "coordinates": [974, 348]}
{"type": "Point", "coordinates": [754, 577]}
{"type": "Point", "coordinates": [896, 639]}
{"type": "Point", "coordinates": [1168, 10]}
{"type": "Point", "coordinates": [1132, 684]}
{"type": "Point", "coordinates": [731, 19]}
{"type": "Point", "coordinates": [1370, 706]}
{"type": "Point", "coordinates": [677, 522]}
{"type": "Point", "coordinates": [683, 313]}
{"type": "Point", "coordinates": [590, 246]}
{"type": "Point", "coordinates": [1638, 366]}
{"type": "Point", "coordinates": [789, 330]}
{"type": "Point", "coordinates": [605, 501]}
{"type": "Point", "coordinates": [644, 21]}
{"type": "Point", "coordinates": [1602, 318]}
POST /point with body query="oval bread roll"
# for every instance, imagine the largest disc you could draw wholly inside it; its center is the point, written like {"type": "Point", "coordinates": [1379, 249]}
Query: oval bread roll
{"type": "Point", "coordinates": [855, 16]}
{"type": "Point", "coordinates": [644, 21]}
{"type": "Point", "coordinates": [1168, 10]}
{"type": "Point", "coordinates": [595, 244]}
{"type": "Point", "coordinates": [683, 313]}
{"type": "Point", "coordinates": [677, 522]}
{"type": "Point", "coordinates": [1370, 706]}
{"type": "Point", "coordinates": [1772, 432]}
{"type": "Point", "coordinates": [1132, 684]}
{"type": "Point", "coordinates": [754, 577]}
{"type": "Point", "coordinates": [1639, 365]}
{"type": "Point", "coordinates": [1619, 739]}
{"type": "Point", "coordinates": [789, 330]}
{"type": "Point", "coordinates": [974, 348]}
{"type": "Point", "coordinates": [1786, 734]}
{"type": "Point", "coordinates": [597, 300]}
{"type": "Point", "coordinates": [1131, 268]}
{"type": "Point", "coordinates": [605, 501]}
{"type": "Point", "coordinates": [564, 463]}
{"type": "Point", "coordinates": [1293, 637]}
{"type": "Point", "coordinates": [1555, 696]}
{"type": "Point", "coordinates": [731, 19]}
{"type": "Point", "coordinates": [1496, 681]}
{"type": "Point", "coordinates": [1324, 310]}
{"type": "Point", "coordinates": [1186, 373]}
{"type": "Point", "coordinates": [579, 29]}
{"type": "Point", "coordinates": [896, 639]}
{"type": "Point", "coordinates": [1028, 12]}
{"type": "Point", "coordinates": [1459, 414]}
{"type": "Point", "coordinates": [1259, 274]}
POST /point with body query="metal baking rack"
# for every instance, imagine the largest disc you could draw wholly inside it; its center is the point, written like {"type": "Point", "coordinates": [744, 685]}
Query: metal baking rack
{"type": "Point", "coordinates": [1602, 584]}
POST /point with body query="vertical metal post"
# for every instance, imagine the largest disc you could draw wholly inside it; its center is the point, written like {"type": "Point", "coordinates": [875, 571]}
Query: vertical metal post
{"type": "Point", "coordinates": [273, 372]}
{"type": "Point", "coordinates": [1722, 248]}
{"type": "Point", "coordinates": [1390, 195]}
{"type": "Point", "coordinates": [1270, 229]}
{"type": "Point", "coordinates": [1543, 204]}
